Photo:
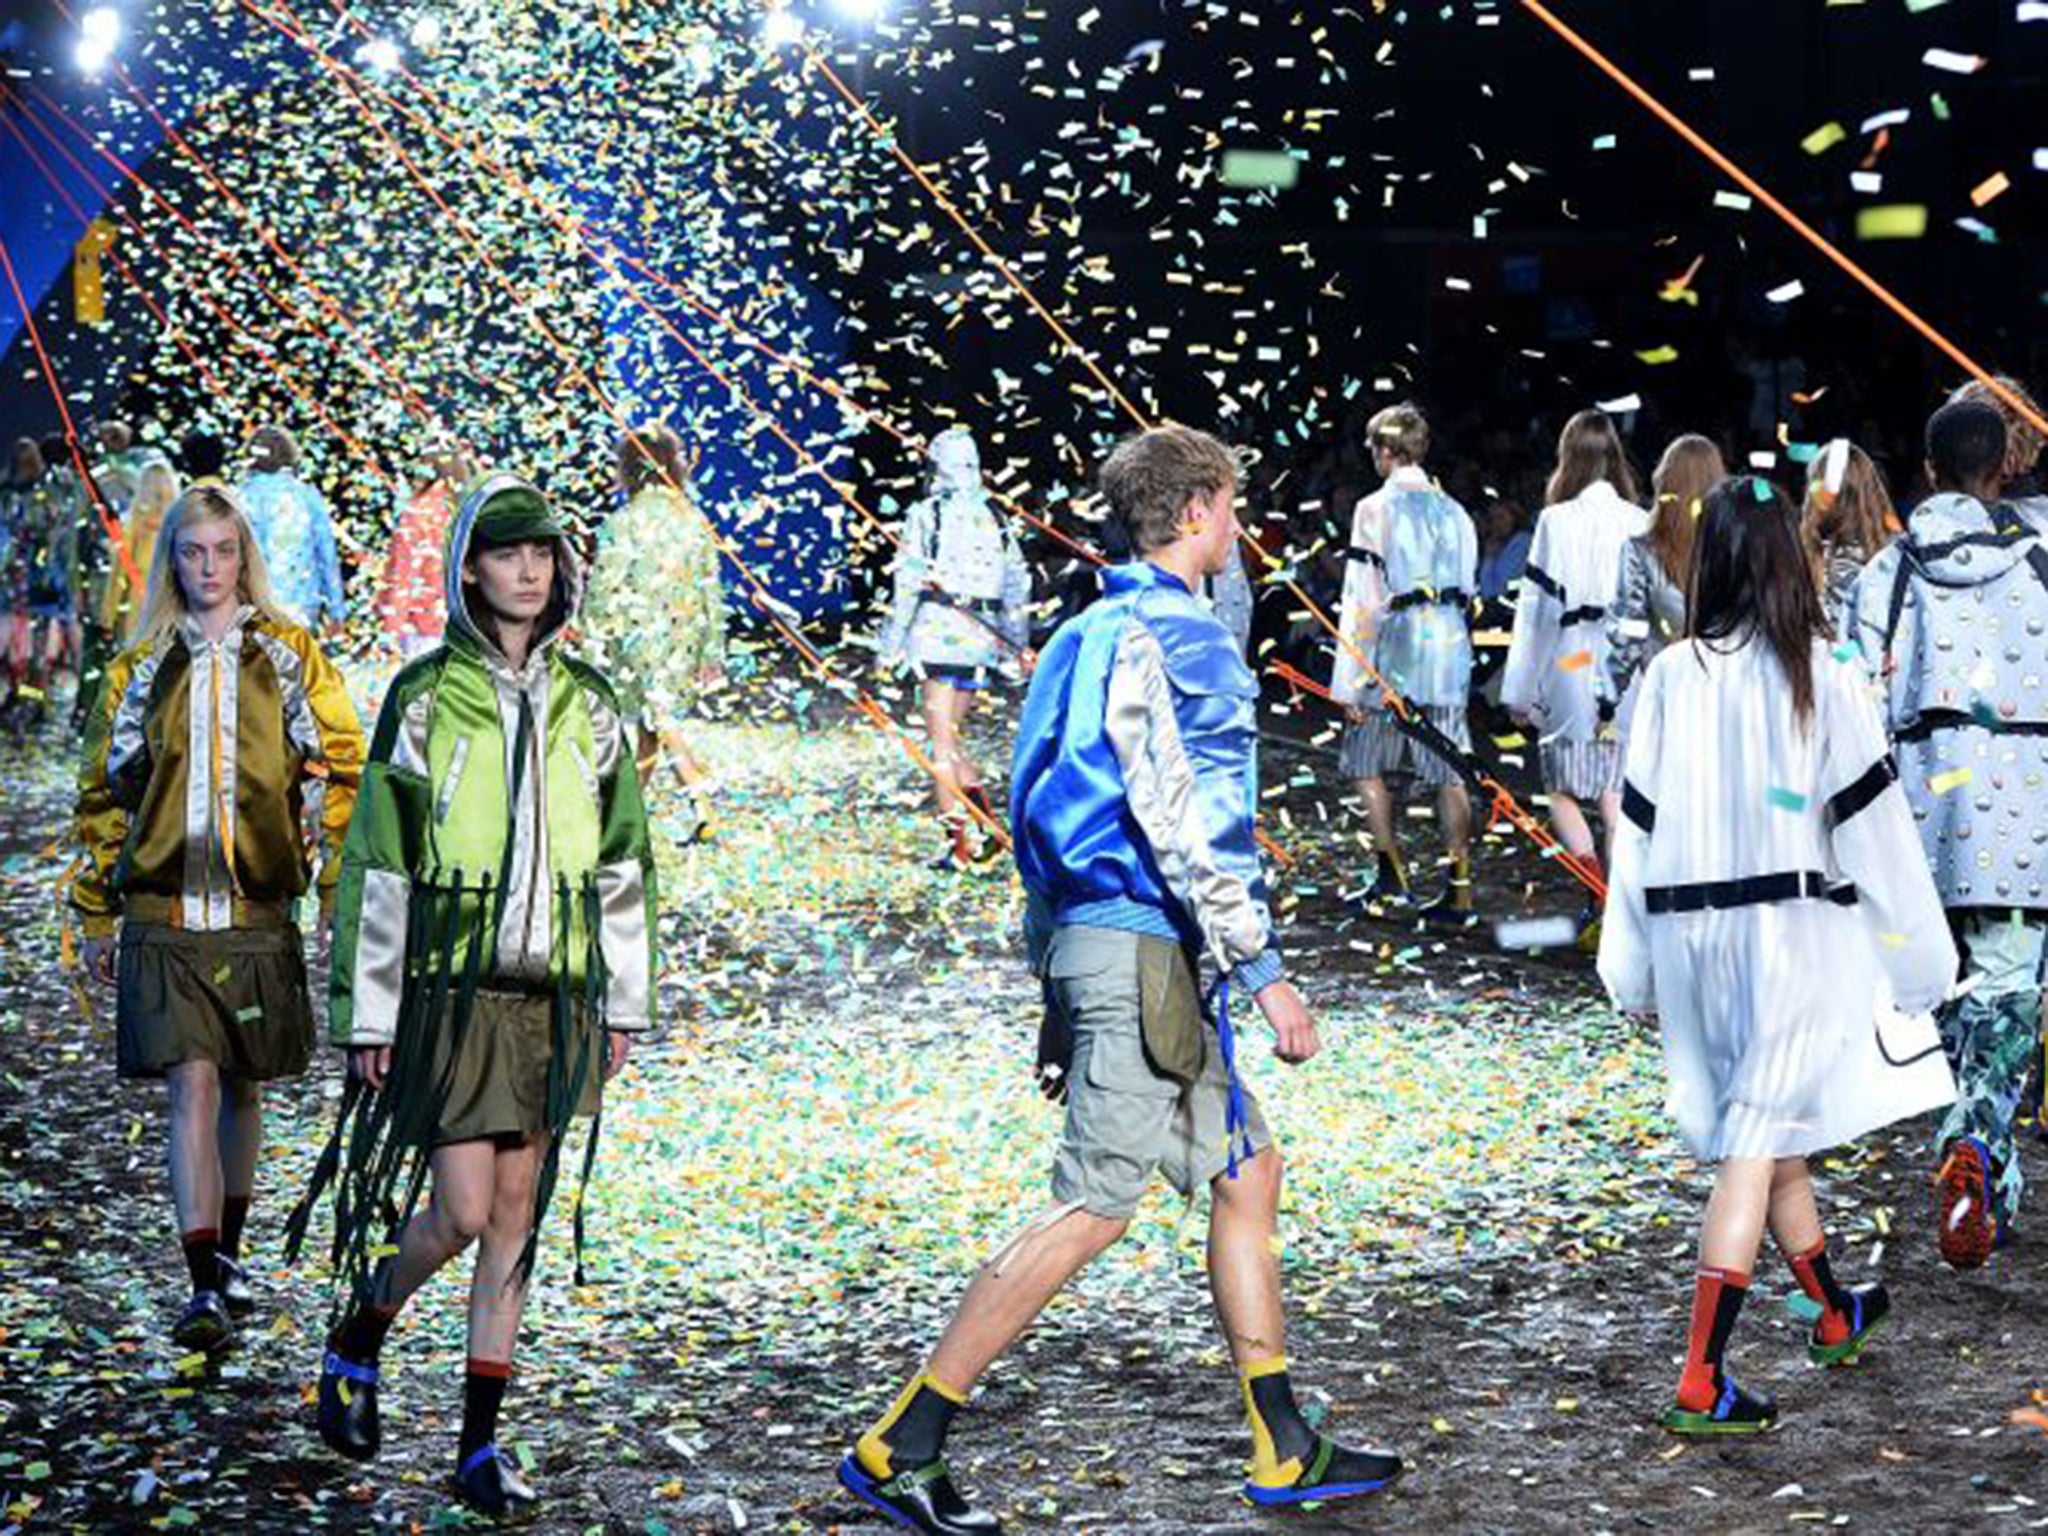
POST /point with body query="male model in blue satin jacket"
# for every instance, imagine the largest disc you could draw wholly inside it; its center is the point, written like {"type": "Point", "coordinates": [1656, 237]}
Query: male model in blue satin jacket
{"type": "Point", "coordinates": [1135, 780]}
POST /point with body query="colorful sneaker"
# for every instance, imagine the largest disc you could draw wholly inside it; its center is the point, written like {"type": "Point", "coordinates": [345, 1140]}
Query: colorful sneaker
{"type": "Point", "coordinates": [1966, 1224]}
{"type": "Point", "coordinates": [1333, 1472]}
{"type": "Point", "coordinates": [204, 1324]}
{"type": "Point", "coordinates": [1735, 1412]}
{"type": "Point", "coordinates": [1868, 1308]}
{"type": "Point", "coordinates": [922, 1499]}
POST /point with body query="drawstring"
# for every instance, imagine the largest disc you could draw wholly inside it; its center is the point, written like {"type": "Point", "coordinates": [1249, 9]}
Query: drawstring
{"type": "Point", "coordinates": [1237, 1133]}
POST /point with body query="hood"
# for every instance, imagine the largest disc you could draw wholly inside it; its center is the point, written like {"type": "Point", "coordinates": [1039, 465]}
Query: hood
{"type": "Point", "coordinates": [477, 496]}
{"type": "Point", "coordinates": [955, 463]}
{"type": "Point", "coordinates": [1953, 541]}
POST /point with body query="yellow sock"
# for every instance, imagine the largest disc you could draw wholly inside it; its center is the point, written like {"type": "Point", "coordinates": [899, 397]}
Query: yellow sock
{"type": "Point", "coordinates": [873, 1451]}
{"type": "Point", "coordinates": [1267, 1469]}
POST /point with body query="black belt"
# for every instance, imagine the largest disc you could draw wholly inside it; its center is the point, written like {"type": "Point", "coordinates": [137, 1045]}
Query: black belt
{"type": "Point", "coordinates": [1585, 613]}
{"type": "Point", "coordinates": [1933, 720]}
{"type": "Point", "coordinates": [1366, 556]}
{"type": "Point", "coordinates": [1754, 891]}
{"type": "Point", "coordinates": [1453, 597]}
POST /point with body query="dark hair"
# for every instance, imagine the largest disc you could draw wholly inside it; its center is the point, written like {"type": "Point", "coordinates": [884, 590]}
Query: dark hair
{"type": "Point", "coordinates": [1750, 579]}
{"type": "Point", "coordinates": [202, 456]}
{"type": "Point", "coordinates": [1589, 449]}
{"type": "Point", "coordinates": [1965, 444]}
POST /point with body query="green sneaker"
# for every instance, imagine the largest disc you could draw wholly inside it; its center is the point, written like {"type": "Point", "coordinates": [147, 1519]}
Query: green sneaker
{"type": "Point", "coordinates": [1735, 1412]}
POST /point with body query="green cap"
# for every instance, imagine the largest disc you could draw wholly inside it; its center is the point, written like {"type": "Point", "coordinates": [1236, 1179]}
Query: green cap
{"type": "Point", "coordinates": [514, 515]}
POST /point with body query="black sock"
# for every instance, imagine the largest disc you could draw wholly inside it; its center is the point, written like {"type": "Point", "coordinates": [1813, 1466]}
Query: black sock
{"type": "Point", "coordinates": [362, 1333]}
{"type": "Point", "coordinates": [202, 1258]}
{"type": "Point", "coordinates": [916, 1436]}
{"type": "Point", "coordinates": [1273, 1397]}
{"type": "Point", "coordinates": [234, 1216]}
{"type": "Point", "coordinates": [483, 1392]}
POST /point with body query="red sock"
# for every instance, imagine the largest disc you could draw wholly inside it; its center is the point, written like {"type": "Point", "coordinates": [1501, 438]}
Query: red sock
{"type": "Point", "coordinates": [1717, 1297]}
{"type": "Point", "coordinates": [1817, 1279]}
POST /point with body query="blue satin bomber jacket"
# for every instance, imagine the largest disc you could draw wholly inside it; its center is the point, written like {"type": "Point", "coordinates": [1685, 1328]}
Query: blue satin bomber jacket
{"type": "Point", "coordinates": [1135, 781]}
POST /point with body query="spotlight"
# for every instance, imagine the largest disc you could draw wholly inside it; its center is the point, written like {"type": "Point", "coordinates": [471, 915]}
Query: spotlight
{"type": "Point", "coordinates": [426, 33]}
{"type": "Point", "coordinates": [380, 53]}
{"type": "Point", "coordinates": [92, 56]}
{"type": "Point", "coordinates": [102, 27]}
{"type": "Point", "coordinates": [781, 28]}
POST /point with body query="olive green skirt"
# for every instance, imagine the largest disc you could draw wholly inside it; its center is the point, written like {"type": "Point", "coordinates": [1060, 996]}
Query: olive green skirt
{"type": "Point", "coordinates": [499, 1087]}
{"type": "Point", "coordinates": [237, 998]}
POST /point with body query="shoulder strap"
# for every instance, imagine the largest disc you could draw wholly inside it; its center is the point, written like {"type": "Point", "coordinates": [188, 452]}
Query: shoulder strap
{"type": "Point", "coordinates": [1897, 606]}
{"type": "Point", "coordinates": [2037, 557]}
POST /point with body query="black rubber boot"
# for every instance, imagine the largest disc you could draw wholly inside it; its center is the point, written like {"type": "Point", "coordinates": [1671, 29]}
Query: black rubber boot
{"type": "Point", "coordinates": [490, 1484]}
{"type": "Point", "coordinates": [348, 1408]}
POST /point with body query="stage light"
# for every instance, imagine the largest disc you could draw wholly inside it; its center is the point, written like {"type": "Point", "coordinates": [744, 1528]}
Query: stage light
{"type": "Point", "coordinates": [102, 26]}
{"type": "Point", "coordinates": [381, 54]}
{"type": "Point", "coordinates": [91, 56]}
{"type": "Point", "coordinates": [782, 27]}
{"type": "Point", "coordinates": [863, 10]}
{"type": "Point", "coordinates": [426, 33]}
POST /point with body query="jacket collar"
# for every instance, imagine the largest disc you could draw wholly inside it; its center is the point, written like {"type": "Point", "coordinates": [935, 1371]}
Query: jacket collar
{"type": "Point", "coordinates": [1140, 576]}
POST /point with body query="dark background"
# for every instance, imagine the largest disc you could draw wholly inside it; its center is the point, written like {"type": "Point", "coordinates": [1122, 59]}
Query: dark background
{"type": "Point", "coordinates": [1304, 309]}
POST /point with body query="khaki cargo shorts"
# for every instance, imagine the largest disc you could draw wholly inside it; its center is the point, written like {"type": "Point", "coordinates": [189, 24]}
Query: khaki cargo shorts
{"type": "Point", "coordinates": [1125, 1119]}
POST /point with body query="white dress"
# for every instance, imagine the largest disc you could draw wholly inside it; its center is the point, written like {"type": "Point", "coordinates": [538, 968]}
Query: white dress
{"type": "Point", "coordinates": [1560, 642]}
{"type": "Point", "coordinates": [1744, 835]}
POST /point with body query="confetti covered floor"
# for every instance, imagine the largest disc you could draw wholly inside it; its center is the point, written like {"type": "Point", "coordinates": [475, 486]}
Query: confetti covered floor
{"type": "Point", "coordinates": [1487, 1230]}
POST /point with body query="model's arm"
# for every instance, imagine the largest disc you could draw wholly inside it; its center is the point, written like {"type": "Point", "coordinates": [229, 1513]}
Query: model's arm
{"type": "Point", "coordinates": [1365, 596]}
{"type": "Point", "coordinates": [625, 875]}
{"type": "Point", "coordinates": [99, 821]}
{"type": "Point", "coordinates": [1538, 610]}
{"type": "Point", "coordinates": [1625, 931]}
{"type": "Point", "coordinates": [1205, 850]}
{"type": "Point", "coordinates": [373, 896]}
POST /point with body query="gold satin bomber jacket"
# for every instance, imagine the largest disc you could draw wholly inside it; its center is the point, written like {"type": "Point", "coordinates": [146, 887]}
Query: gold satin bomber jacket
{"type": "Point", "coordinates": [210, 773]}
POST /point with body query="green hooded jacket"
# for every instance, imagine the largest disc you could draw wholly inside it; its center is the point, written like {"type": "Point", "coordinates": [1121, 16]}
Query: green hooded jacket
{"type": "Point", "coordinates": [550, 888]}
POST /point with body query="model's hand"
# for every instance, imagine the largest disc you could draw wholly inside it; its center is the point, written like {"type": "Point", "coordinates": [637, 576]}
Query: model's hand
{"type": "Point", "coordinates": [1295, 1039]}
{"type": "Point", "coordinates": [618, 1045]}
{"type": "Point", "coordinates": [1055, 1053]}
{"type": "Point", "coordinates": [96, 957]}
{"type": "Point", "coordinates": [370, 1064]}
{"type": "Point", "coordinates": [1354, 714]}
{"type": "Point", "coordinates": [1027, 661]}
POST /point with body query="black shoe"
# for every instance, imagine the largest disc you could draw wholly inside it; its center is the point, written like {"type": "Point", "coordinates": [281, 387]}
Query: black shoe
{"type": "Point", "coordinates": [348, 1408]}
{"type": "Point", "coordinates": [923, 1499]}
{"type": "Point", "coordinates": [490, 1484]}
{"type": "Point", "coordinates": [204, 1324]}
{"type": "Point", "coordinates": [234, 1289]}
{"type": "Point", "coordinates": [1735, 1412]}
{"type": "Point", "coordinates": [1333, 1472]}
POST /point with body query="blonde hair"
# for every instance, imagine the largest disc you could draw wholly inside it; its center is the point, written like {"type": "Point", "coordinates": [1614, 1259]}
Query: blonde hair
{"type": "Point", "coordinates": [1691, 467]}
{"type": "Point", "coordinates": [165, 605]}
{"type": "Point", "coordinates": [1857, 516]}
{"type": "Point", "coordinates": [1400, 430]}
{"type": "Point", "coordinates": [156, 487]}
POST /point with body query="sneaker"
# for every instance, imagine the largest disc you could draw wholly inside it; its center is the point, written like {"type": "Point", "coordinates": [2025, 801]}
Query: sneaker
{"type": "Point", "coordinates": [234, 1289]}
{"type": "Point", "coordinates": [1966, 1225]}
{"type": "Point", "coordinates": [923, 1499]}
{"type": "Point", "coordinates": [1735, 1412]}
{"type": "Point", "coordinates": [204, 1324]}
{"type": "Point", "coordinates": [489, 1483]}
{"type": "Point", "coordinates": [1588, 941]}
{"type": "Point", "coordinates": [1868, 1308]}
{"type": "Point", "coordinates": [1333, 1472]}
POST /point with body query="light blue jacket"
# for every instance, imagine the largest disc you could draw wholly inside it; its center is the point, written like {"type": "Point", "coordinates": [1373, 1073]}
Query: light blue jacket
{"type": "Point", "coordinates": [1135, 781]}
{"type": "Point", "coordinates": [295, 531]}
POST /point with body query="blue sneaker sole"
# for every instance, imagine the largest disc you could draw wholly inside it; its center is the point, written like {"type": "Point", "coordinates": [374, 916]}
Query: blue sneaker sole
{"type": "Point", "coordinates": [856, 1482]}
{"type": "Point", "coordinates": [1323, 1493]}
